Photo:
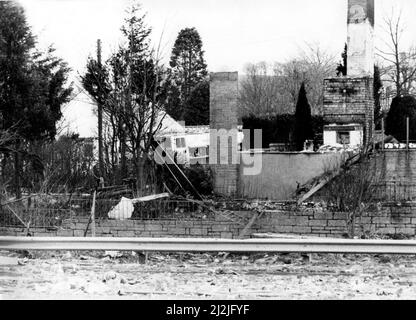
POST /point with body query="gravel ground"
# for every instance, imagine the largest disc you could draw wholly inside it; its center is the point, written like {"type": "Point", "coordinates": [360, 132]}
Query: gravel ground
{"type": "Point", "coordinates": [95, 275]}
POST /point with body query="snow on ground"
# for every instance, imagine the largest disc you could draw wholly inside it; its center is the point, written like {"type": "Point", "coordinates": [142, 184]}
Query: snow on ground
{"type": "Point", "coordinates": [63, 275]}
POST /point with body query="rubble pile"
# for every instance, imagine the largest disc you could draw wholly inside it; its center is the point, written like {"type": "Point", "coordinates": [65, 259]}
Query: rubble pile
{"type": "Point", "coordinates": [338, 149]}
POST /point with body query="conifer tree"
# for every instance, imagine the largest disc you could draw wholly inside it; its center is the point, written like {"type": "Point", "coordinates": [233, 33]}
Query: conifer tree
{"type": "Point", "coordinates": [378, 84]}
{"type": "Point", "coordinates": [303, 120]}
{"type": "Point", "coordinates": [188, 70]}
{"type": "Point", "coordinates": [33, 85]}
{"type": "Point", "coordinates": [342, 67]}
{"type": "Point", "coordinates": [401, 108]}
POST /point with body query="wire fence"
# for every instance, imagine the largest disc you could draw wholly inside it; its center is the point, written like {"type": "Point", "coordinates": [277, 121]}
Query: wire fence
{"type": "Point", "coordinates": [395, 191]}
{"type": "Point", "coordinates": [54, 213]}
{"type": "Point", "coordinates": [32, 217]}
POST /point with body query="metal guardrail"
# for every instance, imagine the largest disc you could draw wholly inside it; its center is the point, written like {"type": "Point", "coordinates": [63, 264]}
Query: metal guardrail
{"type": "Point", "coordinates": [212, 245]}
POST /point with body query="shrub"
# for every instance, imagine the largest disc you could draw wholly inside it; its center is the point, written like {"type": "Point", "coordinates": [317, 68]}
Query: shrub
{"type": "Point", "coordinates": [279, 128]}
{"type": "Point", "coordinates": [401, 108]}
{"type": "Point", "coordinates": [201, 178]}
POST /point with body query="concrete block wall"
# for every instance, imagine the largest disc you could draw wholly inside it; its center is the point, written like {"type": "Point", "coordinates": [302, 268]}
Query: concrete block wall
{"type": "Point", "coordinates": [224, 116]}
{"type": "Point", "coordinates": [350, 100]}
{"type": "Point", "coordinates": [281, 173]}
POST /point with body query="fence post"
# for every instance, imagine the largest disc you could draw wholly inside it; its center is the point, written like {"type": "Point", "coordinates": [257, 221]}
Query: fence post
{"type": "Point", "coordinates": [407, 133]}
{"type": "Point", "coordinates": [382, 134]}
{"type": "Point", "coordinates": [93, 214]}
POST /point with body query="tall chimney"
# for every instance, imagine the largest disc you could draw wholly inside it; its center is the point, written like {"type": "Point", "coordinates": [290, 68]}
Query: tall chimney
{"type": "Point", "coordinates": [360, 38]}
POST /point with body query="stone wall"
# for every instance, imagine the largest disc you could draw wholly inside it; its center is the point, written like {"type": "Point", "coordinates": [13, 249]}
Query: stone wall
{"type": "Point", "coordinates": [310, 221]}
{"type": "Point", "coordinates": [350, 100]}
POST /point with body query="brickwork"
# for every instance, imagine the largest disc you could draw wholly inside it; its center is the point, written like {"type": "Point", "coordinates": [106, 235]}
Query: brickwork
{"type": "Point", "coordinates": [218, 228]}
{"type": "Point", "coordinates": [390, 220]}
{"type": "Point", "coordinates": [224, 116]}
{"type": "Point", "coordinates": [350, 100]}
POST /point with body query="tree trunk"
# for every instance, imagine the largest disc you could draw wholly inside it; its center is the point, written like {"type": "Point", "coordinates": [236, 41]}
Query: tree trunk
{"type": "Point", "coordinates": [100, 119]}
{"type": "Point", "coordinates": [123, 160]}
{"type": "Point", "coordinates": [3, 168]}
{"type": "Point", "coordinates": [100, 140]}
{"type": "Point", "coordinates": [17, 172]}
{"type": "Point", "coordinates": [141, 175]}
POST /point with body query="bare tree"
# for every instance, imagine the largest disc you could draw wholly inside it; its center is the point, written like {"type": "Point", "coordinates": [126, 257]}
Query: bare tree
{"type": "Point", "coordinates": [132, 88]}
{"type": "Point", "coordinates": [399, 63]}
{"type": "Point", "coordinates": [321, 64]}
{"type": "Point", "coordinates": [355, 190]}
{"type": "Point", "coordinates": [274, 88]}
{"type": "Point", "coordinates": [259, 93]}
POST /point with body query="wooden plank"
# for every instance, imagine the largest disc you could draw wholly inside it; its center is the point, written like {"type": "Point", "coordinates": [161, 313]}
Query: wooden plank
{"type": "Point", "coordinates": [93, 215]}
{"type": "Point", "coordinates": [316, 188]}
{"type": "Point", "coordinates": [91, 220]}
{"type": "Point", "coordinates": [247, 228]}
{"type": "Point", "coordinates": [151, 198]}
{"type": "Point", "coordinates": [350, 162]}
{"type": "Point", "coordinates": [18, 217]}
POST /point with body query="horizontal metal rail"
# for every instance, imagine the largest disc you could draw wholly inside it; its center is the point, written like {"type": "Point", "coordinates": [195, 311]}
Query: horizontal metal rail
{"type": "Point", "coordinates": [212, 245]}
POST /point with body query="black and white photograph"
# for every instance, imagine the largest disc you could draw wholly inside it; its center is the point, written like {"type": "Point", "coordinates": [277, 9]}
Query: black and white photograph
{"type": "Point", "coordinates": [223, 152]}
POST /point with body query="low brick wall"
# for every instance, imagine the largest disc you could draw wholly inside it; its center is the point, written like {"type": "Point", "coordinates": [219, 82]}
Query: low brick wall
{"type": "Point", "coordinates": [390, 220]}
{"type": "Point", "coordinates": [218, 228]}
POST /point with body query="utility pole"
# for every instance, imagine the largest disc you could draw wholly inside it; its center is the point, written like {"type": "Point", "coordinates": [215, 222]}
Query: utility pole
{"type": "Point", "coordinates": [100, 117]}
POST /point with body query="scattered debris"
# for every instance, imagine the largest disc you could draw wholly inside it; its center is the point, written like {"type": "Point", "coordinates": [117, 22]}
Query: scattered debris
{"type": "Point", "coordinates": [6, 261]}
{"type": "Point", "coordinates": [250, 276]}
{"type": "Point", "coordinates": [125, 208]}
{"type": "Point", "coordinates": [22, 262]}
{"type": "Point", "coordinates": [113, 254]}
{"type": "Point", "coordinates": [110, 275]}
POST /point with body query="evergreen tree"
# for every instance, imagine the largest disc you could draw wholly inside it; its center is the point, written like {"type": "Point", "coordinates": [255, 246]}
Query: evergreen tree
{"type": "Point", "coordinates": [32, 85]}
{"type": "Point", "coordinates": [303, 120]}
{"type": "Point", "coordinates": [401, 108]}
{"type": "Point", "coordinates": [188, 70]}
{"type": "Point", "coordinates": [342, 67]}
{"type": "Point", "coordinates": [197, 106]}
{"type": "Point", "coordinates": [378, 85]}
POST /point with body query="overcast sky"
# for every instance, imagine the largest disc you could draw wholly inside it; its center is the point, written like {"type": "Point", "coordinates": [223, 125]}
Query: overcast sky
{"type": "Point", "coordinates": [234, 32]}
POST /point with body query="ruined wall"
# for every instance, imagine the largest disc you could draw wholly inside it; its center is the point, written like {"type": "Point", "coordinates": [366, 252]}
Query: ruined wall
{"type": "Point", "coordinates": [282, 171]}
{"type": "Point", "coordinates": [350, 100]}
{"type": "Point", "coordinates": [224, 116]}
